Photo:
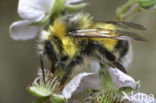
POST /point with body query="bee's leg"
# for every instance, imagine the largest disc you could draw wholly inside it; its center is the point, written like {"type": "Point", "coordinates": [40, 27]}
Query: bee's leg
{"type": "Point", "coordinates": [69, 67]}
{"type": "Point", "coordinates": [111, 58]}
{"type": "Point", "coordinates": [53, 66]}
{"type": "Point", "coordinates": [49, 50]}
{"type": "Point", "coordinates": [42, 65]}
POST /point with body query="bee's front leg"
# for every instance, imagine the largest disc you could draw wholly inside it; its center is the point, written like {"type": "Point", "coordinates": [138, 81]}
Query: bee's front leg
{"type": "Point", "coordinates": [42, 65]}
{"type": "Point", "coordinates": [49, 50]}
{"type": "Point", "coordinates": [68, 69]}
{"type": "Point", "coordinates": [110, 57]}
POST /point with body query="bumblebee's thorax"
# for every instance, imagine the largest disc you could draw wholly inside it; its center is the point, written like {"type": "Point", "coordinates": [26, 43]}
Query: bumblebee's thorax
{"type": "Point", "coordinates": [68, 44]}
{"type": "Point", "coordinates": [61, 28]}
{"type": "Point", "coordinates": [71, 45]}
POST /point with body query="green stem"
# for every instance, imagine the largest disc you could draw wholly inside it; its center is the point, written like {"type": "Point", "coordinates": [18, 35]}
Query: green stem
{"type": "Point", "coordinates": [127, 10]}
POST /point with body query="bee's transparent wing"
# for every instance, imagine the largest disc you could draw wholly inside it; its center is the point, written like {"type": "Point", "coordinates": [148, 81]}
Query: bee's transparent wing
{"type": "Point", "coordinates": [114, 34]}
{"type": "Point", "coordinates": [125, 25]}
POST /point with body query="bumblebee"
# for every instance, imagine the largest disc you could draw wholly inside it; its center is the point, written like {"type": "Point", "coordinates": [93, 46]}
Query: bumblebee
{"type": "Point", "coordinates": [75, 36]}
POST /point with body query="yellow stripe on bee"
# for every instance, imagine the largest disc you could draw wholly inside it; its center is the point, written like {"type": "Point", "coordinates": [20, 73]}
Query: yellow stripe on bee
{"type": "Point", "coordinates": [59, 28]}
{"type": "Point", "coordinates": [108, 43]}
{"type": "Point", "coordinates": [69, 46]}
{"type": "Point", "coordinates": [109, 27]}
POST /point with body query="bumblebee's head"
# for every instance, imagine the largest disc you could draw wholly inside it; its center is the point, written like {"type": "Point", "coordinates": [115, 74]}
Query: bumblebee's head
{"type": "Point", "coordinates": [71, 22]}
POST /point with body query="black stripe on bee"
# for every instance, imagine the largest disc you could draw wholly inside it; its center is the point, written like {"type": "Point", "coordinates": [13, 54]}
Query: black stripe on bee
{"type": "Point", "coordinates": [105, 52]}
{"type": "Point", "coordinates": [123, 47]}
{"type": "Point", "coordinates": [58, 43]}
{"type": "Point", "coordinates": [49, 50]}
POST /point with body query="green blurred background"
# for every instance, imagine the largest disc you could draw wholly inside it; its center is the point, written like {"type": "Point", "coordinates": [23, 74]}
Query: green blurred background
{"type": "Point", "coordinates": [18, 59]}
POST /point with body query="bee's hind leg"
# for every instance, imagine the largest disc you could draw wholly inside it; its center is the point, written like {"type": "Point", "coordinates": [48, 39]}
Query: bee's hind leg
{"type": "Point", "coordinates": [110, 57]}
{"type": "Point", "coordinates": [68, 69]}
{"type": "Point", "coordinates": [120, 67]}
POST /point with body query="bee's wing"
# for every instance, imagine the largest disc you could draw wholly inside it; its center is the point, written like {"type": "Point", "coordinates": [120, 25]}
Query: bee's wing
{"type": "Point", "coordinates": [114, 34]}
{"type": "Point", "coordinates": [125, 25]}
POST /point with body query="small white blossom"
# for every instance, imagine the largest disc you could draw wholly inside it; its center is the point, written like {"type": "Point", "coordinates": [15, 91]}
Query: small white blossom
{"type": "Point", "coordinates": [31, 11]}
{"type": "Point", "coordinates": [81, 82]}
{"type": "Point", "coordinates": [35, 11]}
{"type": "Point", "coordinates": [121, 79]}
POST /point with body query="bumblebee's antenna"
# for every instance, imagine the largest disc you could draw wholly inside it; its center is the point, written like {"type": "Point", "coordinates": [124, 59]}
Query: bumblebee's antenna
{"type": "Point", "coordinates": [42, 66]}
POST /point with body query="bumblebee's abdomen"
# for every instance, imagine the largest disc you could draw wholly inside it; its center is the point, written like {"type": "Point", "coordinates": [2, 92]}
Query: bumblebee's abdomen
{"type": "Point", "coordinates": [107, 43]}
{"type": "Point", "coordinates": [122, 47]}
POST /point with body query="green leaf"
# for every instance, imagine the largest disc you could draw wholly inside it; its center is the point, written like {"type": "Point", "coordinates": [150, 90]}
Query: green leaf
{"type": "Point", "coordinates": [125, 11]}
{"type": "Point", "coordinates": [126, 89]}
{"type": "Point", "coordinates": [147, 3]}
{"type": "Point", "coordinates": [129, 9]}
{"type": "Point", "coordinates": [58, 6]}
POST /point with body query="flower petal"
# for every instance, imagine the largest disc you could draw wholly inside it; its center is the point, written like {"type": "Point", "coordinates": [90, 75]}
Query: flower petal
{"type": "Point", "coordinates": [34, 10]}
{"type": "Point", "coordinates": [81, 82]}
{"type": "Point", "coordinates": [72, 1]}
{"type": "Point", "coordinates": [121, 79]}
{"type": "Point", "coordinates": [23, 30]}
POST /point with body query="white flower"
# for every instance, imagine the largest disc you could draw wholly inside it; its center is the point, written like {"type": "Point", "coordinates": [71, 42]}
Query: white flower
{"type": "Point", "coordinates": [30, 11]}
{"type": "Point", "coordinates": [121, 79]}
{"type": "Point", "coordinates": [35, 11]}
{"type": "Point", "coordinates": [139, 98]}
{"type": "Point", "coordinates": [81, 82]}
{"type": "Point", "coordinates": [85, 81]}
